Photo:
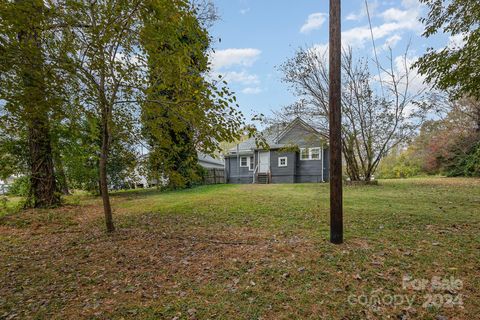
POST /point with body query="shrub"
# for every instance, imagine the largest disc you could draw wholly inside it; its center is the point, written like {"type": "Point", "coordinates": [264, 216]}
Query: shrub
{"type": "Point", "coordinates": [20, 187]}
{"type": "Point", "coordinates": [467, 165]}
{"type": "Point", "coordinates": [399, 166]}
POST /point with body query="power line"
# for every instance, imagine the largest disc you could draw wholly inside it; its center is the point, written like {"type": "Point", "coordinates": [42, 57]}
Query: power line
{"type": "Point", "coordinates": [374, 48]}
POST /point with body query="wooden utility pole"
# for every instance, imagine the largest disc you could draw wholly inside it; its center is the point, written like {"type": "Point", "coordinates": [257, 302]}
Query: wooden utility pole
{"type": "Point", "coordinates": [335, 114]}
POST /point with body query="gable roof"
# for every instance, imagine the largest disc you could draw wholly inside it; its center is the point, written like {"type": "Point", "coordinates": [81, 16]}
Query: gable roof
{"type": "Point", "coordinates": [296, 122]}
{"type": "Point", "coordinates": [209, 159]}
{"type": "Point", "coordinates": [272, 136]}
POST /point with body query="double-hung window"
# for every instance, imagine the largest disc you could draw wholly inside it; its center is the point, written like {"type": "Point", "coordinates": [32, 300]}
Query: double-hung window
{"type": "Point", "coordinates": [247, 162]}
{"type": "Point", "coordinates": [315, 153]}
{"type": "Point", "coordinates": [310, 154]}
{"type": "Point", "coordinates": [243, 162]}
{"type": "Point", "coordinates": [304, 155]}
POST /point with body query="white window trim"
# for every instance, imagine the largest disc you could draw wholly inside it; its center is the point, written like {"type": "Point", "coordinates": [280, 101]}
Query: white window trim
{"type": "Point", "coordinates": [245, 166]}
{"type": "Point", "coordinates": [319, 153]}
{"type": "Point", "coordinates": [250, 168]}
{"type": "Point", "coordinates": [280, 161]}
{"type": "Point", "coordinates": [309, 152]}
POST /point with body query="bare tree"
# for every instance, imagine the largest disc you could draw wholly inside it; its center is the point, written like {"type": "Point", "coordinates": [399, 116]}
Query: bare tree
{"type": "Point", "coordinates": [379, 112]}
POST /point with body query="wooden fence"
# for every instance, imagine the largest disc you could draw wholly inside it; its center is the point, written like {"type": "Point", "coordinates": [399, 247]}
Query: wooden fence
{"type": "Point", "coordinates": [214, 176]}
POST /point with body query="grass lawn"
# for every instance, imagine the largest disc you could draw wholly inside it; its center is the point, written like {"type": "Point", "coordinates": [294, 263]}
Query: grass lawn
{"type": "Point", "coordinates": [248, 252]}
{"type": "Point", "coordinates": [9, 204]}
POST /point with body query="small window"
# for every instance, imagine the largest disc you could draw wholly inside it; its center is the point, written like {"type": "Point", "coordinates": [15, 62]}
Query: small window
{"type": "Point", "coordinates": [252, 163]}
{"type": "Point", "coordinates": [304, 154]}
{"type": "Point", "coordinates": [315, 153]}
{"type": "Point", "coordinates": [282, 161]}
{"type": "Point", "coordinates": [243, 162]}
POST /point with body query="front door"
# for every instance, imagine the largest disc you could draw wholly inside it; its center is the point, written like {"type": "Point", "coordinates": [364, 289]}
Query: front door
{"type": "Point", "coordinates": [263, 161]}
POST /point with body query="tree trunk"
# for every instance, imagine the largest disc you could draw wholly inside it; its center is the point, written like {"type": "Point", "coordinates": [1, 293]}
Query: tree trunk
{"type": "Point", "coordinates": [368, 177]}
{"type": "Point", "coordinates": [43, 189]}
{"type": "Point", "coordinates": [103, 172]}
{"type": "Point", "coordinates": [353, 170]}
{"type": "Point", "coordinates": [42, 180]}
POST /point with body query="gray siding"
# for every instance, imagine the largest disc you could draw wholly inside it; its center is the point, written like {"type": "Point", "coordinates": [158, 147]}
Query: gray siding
{"type": "Point", "coordinates": [326, 164]}
{"type": "Point", "coordinates": [283, 174]}
{"type": "Point", "coordinates": [308, 170]}
{"type": "Point", "coordinates": [235, 173]}
{"type": "Point", "coordinates": [296, 170]}
{"type": "Point", "coordinates": [311, 170]}
{"type": "Point", "coordinates": [300, 136]}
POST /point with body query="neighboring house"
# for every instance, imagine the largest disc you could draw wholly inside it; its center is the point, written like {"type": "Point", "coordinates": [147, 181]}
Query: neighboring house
{"type": "Point", "coordinates": [297, 153]}
{"type": "Point", "coordinates": [5, 184]}
{"type": "Point", "coordinates": [208, 162]}
{"type": "Point", "coordinates": [141, 181]}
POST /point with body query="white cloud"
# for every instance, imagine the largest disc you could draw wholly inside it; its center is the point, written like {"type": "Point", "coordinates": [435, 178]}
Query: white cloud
{"type": "Point", "coordinates": [242, 77]}
{"type": "Point", "coordinates": [409, 16]}
{"type": "Point", "coordinates": [391, 42]}
{"type": "Point", "coordinates": [314, 21]}
{"type": "Point", "coordinates": [244, 11]}
{"type": "Point", "coordinates": [457, 41]}
{"type": "Point", "coordinates": [252, 90]}
{"type": "Point", "coordinates": [395, 14]}
{"type": "Point", "coordinates": [395, 21]}
{"type": "Point", "coordinates": [359, 36]}
{"type": "Point", "coordinates": [362, 13]}
{"type": "Point", "coordinates": [355, 16]}
{"type": "Point", "coordinates": [411, 4]}
{"type": "Point", "coordinates": [231, 57]}
{"type": "Point", "coordinates": [321, 49]}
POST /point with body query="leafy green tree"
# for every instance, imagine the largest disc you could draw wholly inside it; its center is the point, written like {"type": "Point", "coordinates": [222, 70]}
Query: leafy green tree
{"type": "Point", "coordinates": [445, 146]}
{"type": "Point", "coordinates": [29, 47]}
{"type": "Point", "coordinates": [181, 103]}
{"type": "Point", "coordinates": [456, 67]}
{"type": "Point", "coordinates": [13, 153]}
{"type": "Point", "coordinates": [399, 164]}
{"type": "Point", "coordinates": [76, 77]}
{"type": "Point", "coordinates": [106, 67]}
{"type": "Point", "coordinates": [136, 53]}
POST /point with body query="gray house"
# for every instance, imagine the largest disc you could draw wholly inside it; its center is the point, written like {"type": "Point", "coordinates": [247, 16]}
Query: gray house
{"type": "Point", "coordinates": [297, 153]}
{"type": "Point", "coordinates": [140, 179]}
{"type": "Point", "coordinates": [209, 162]}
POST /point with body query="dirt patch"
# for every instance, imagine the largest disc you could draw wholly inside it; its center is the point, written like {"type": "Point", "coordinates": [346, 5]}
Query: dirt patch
{"type": "Point", "coordinates": [86, 273]}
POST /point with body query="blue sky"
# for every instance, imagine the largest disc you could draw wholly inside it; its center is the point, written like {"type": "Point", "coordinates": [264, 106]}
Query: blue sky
{"type": "Point", "coordinates": [259, 35]}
